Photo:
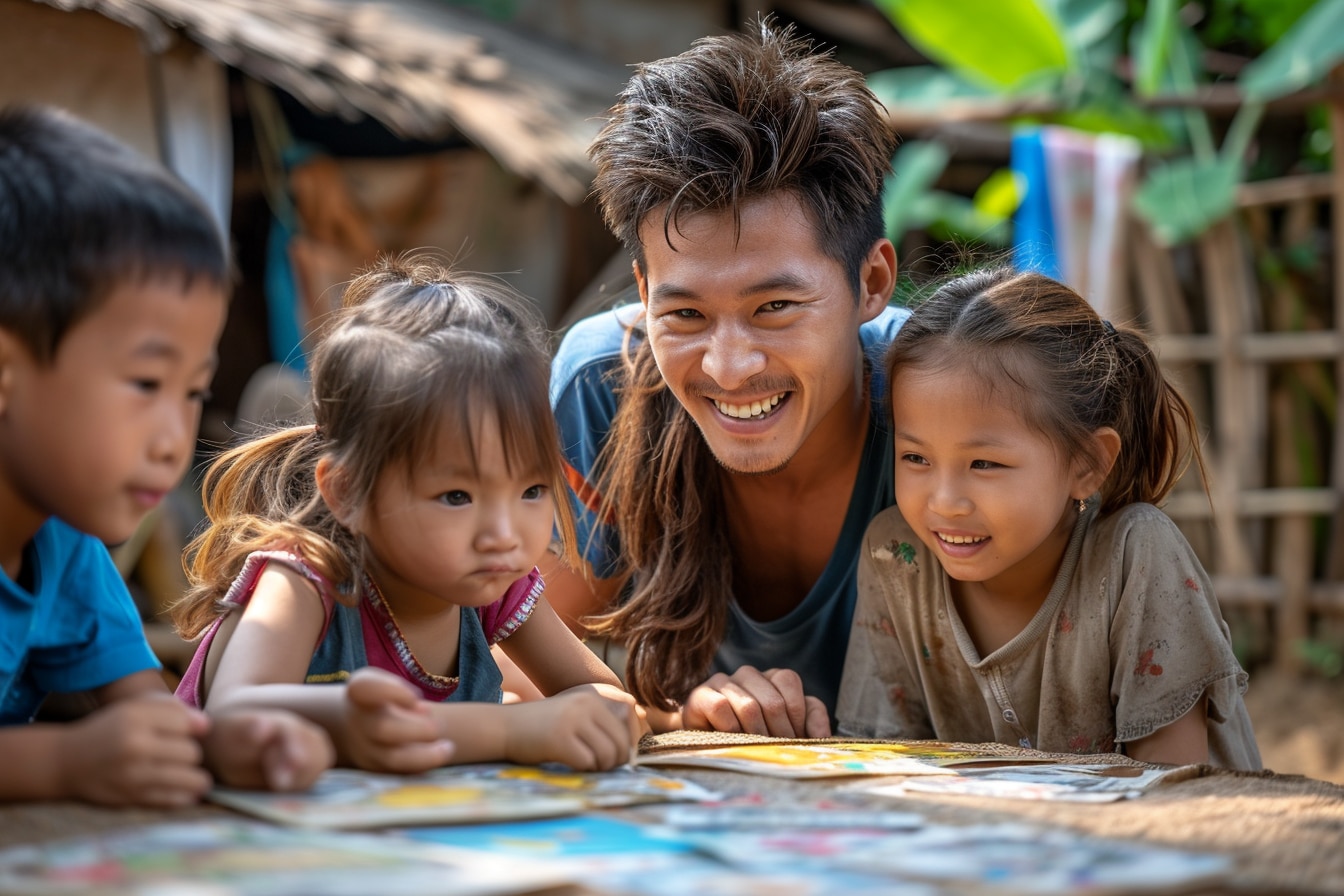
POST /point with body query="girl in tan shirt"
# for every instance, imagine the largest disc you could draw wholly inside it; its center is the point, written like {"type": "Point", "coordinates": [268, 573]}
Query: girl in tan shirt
{"type": "Point", "coordinates": [1025, 589]}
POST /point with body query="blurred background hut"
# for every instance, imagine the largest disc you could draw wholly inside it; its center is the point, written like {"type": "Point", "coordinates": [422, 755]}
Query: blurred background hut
{"type": "Point", "coordinates": [325, 132]}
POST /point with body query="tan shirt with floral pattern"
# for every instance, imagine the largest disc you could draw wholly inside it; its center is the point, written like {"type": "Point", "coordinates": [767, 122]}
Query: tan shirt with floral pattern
{"type": "Point", "coordinates": [1127, 641]}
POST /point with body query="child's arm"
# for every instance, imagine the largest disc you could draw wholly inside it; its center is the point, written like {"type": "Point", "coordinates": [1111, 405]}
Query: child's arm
{"type": "Point", "coordinates": [547, 651]}
{"type": "Point", "coordinates": [144, 747]}
{"type": "Point", "coordinates": [580, 727]}
{"type": "Point", "coordinates": [1167, 639]}
{"type": "Point", "coordinates": [261, 663]}
{"type": "Point", "coordinates": [587, 721]}
{"type": "Point", "coordinates": [140, 750]}
{"type": "Point", "coordinates": [552, 656]}
{"type": "Point", "coordinates": [1183, 742]}
{"type": "Point", "coordinates": [267, 749]}
{"type": "Point", "coordinates": [378, 722]}
{"type": "Point", "coordinates": [255, 749]}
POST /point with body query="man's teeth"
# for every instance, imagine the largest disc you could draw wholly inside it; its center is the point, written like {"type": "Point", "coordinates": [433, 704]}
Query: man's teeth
{"type": "Point", "coordinates": [747, 411]}
{"type": "Point", "coordinates": [963, 539]}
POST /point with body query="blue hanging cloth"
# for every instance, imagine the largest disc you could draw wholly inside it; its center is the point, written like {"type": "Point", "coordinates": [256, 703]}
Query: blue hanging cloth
{"type": "Point", "coordinates": [1033, 222]}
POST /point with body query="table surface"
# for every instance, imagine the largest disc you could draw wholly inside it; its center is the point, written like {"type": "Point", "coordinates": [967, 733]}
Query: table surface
{"type": "Point", "coordinates": [1285, 833]}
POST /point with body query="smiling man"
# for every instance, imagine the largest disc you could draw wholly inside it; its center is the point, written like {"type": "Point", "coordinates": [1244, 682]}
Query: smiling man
{"type": "Point", "coordinates": [726, 436]}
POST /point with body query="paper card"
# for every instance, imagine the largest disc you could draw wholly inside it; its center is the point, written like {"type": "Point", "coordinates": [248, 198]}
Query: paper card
{"type": "Point", "coordinates": [703, 877]}
{"type": "Point", "coordinates": [223, 858]}
{"type": "Point", "coordinates": [826, 759]}
{"type": "Point", "coordinates": [615, 856]}
{"type": "Point", "coordinates": [997, 859]}
{"type": "Point", "coordinates": [1022, 859]}
{"type": "Point", "coordinates": [579, 835]}
{"type": "Point", "coordinates": [702, 816]}
{"type": "Point", "coordinates": [1065, 782]}
{"type": "Point", "coordinates": [349, 798]}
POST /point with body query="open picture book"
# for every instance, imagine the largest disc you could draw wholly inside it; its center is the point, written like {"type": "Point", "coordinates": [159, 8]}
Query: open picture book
{"type": "Point", "coordinates": [350, 798]}
{"type": "Point", "coordinates": [830, 758]}
{"type": "Point", "coordinates": [248, 858]}
{"type": "Point", "coordinates": [1066, 782]}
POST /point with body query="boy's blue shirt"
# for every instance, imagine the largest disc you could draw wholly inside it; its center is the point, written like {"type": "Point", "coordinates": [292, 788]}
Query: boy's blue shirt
{"type": "Point", "coordinates": [77, 630]}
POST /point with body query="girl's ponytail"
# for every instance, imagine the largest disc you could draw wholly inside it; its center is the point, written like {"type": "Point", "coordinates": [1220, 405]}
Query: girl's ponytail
{"type": "Point", "coordinates": [1159, 434]}
{"type": "Point", "coordinates": [256, 496]}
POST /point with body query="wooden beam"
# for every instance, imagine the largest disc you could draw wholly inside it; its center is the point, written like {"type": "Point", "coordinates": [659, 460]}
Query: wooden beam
{"type": "Point", "coordinates": [1283, 190]}
{"type": "Point", "coordinates": [1255, 502]}
{"type": "Point", "coordinates": [1265, 348]}
{"type": "Point", "coordinates": [1208, 97]}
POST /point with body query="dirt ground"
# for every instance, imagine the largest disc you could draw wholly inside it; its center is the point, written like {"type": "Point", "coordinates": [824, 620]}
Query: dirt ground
{"type": "Point", "coordinates": [1299, 724]}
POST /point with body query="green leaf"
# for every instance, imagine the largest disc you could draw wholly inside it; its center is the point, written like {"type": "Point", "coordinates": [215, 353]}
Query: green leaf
{"type": "Point", "coordinates": [916, 167]}
{"type": "Point", "coordinates": [1303, 56]}
{"type": "Point", "coordinates": [922, 85]}
{"type": "Point", "coordinates": [1117, 119]}
{"type": "Point", "coordinates": [951, 216]}
{"type": "Point", "coordinates": [1090, 26]}
{"type": "Point", "coordinates": [1152, 43]}
{"type": "Point", "coordinates": [1181, 199]}
{"type": "Point", "coordinates": [1271, 19]}
{"type": "Point", "coordinates": [1178, 73]}
{"type": "Point", "coordinates": [1000, 194]}
{"type": "Point", "coordinates": [998, 43]}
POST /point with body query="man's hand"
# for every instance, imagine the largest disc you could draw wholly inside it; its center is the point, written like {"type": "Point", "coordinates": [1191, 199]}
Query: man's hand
{"type": "Point", "coordinates": [141, 751]}
{"type": "Point", "coordinates": [389, 727]}
{"type": "Point", "coordinates": [267, 749]}
{"type": "Point", "coordinates": [753, 702]}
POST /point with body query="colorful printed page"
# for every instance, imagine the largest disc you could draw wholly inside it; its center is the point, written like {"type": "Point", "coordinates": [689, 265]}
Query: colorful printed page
{"type": "Point", "coordinates": [738, 816]}
{"type": "Point", "coordinates": [1018, 859]}
{"type": "Point", "coordinates": [981, 859]}
{"type": "Point", "coordinates": [1067, 783]}
{"type": "Point", "coordinates": [222, 858]}
{"type": "Point", "coordinates": [557, 838]}
{"type": "Point", "coordinates": [616, 856]}
{"type": "Point", "coordinates": [349, 798]}
{"type": "Point", "coordinates": [826, 759]}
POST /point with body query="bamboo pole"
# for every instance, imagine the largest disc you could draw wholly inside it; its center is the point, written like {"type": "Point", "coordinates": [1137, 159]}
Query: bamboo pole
{"type": "Point", "coordinates": [1292, 548]}
{"type": "Point", "coordinates": [1334, 560]}
{"type": "Point", "coordinates": [1238, 397]}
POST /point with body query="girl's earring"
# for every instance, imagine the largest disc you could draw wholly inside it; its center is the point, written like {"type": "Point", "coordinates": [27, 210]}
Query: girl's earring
{"type": "Point", "coordinates": [1082, 505]}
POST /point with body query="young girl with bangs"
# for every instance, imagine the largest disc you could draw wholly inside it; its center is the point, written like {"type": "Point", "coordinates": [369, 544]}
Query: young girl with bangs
{"type": "Point", "coordinates": [1025, 589]}
{"type": "Point", "coordinates": [357, 571]}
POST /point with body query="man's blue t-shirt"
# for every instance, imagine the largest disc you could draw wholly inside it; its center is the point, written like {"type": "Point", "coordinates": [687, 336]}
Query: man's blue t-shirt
{"type": "Point", "coordinates": [78, 629]}
{"type": "Point", "coordinates": [813, 637]}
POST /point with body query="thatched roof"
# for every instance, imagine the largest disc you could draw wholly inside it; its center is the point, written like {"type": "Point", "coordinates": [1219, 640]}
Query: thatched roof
{"type": "Point", "coordinates": [420, 67]}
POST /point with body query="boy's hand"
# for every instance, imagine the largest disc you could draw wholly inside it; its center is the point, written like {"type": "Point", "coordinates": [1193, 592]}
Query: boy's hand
{"type": "Point", "coordinates": [770, 702]}
{"type": "Point", "coordinates": [141, 751]}
{"type": "Point", "coordinates": [267, 749]}
{"type": "Point", "coordinates": [585, 728]}
{"type": "Point", "coordinates": [389, 727]}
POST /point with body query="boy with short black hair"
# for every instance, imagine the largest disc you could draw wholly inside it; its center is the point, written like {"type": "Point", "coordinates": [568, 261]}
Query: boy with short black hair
{"type": "Point", "coordinates": [113, 294]}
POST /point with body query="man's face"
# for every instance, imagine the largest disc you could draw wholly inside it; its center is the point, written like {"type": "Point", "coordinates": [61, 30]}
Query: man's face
{"type": "Point", "coordinates": [104, 431]}
{"type": "Point", "coordinates": [756, 331]}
